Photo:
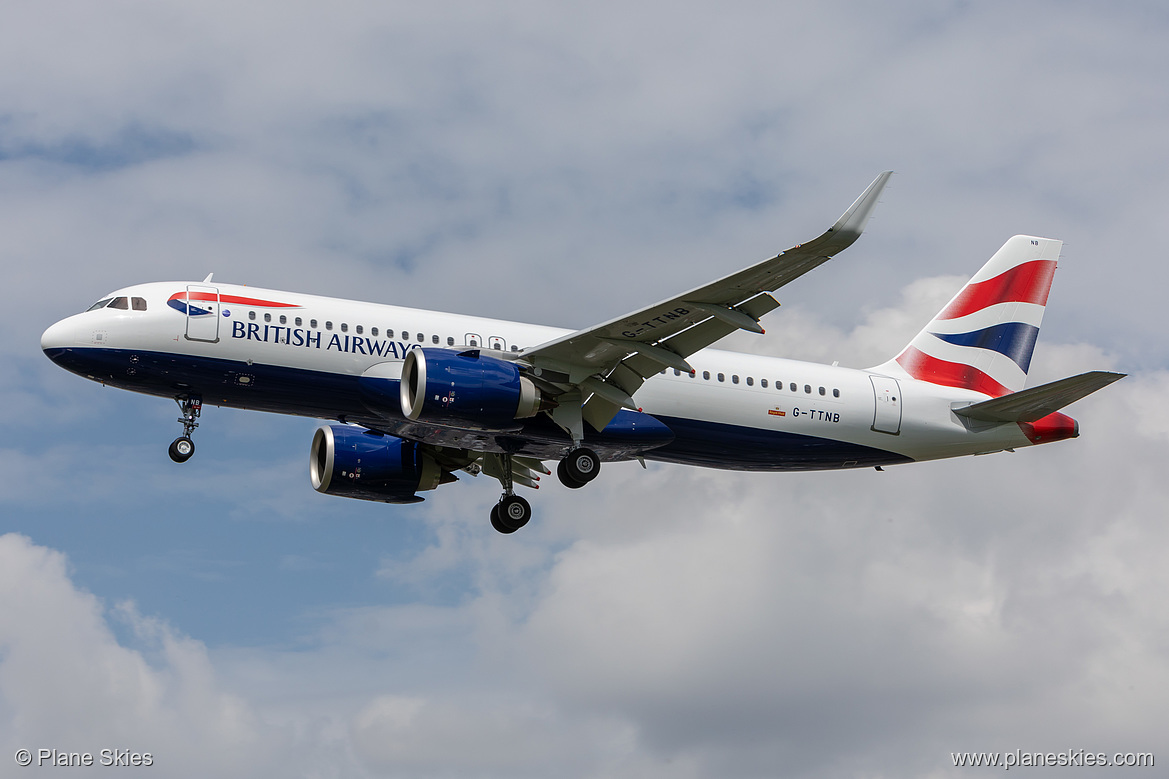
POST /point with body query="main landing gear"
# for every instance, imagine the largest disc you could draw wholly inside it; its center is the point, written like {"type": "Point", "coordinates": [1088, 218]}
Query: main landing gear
{"type": "Point", "coordinates": [578, 468]}
{"type": "Point", "coordinates": [183, 447]}
{"type": "Point", "coordinates": [510, 514]}
{"type": "Point", "coordinates": [513, 512]}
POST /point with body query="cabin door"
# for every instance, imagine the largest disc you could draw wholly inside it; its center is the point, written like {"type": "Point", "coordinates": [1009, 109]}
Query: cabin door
{"type": "Point", "coordinates": [202, 313]}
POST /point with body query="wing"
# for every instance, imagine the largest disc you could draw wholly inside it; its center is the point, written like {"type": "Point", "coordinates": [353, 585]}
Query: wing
{"type": "Point", "coordinates": [607, 363]}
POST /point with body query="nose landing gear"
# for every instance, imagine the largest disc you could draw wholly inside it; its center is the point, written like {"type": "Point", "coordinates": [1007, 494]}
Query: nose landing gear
{"type": "Point", "coordinates": [182, 448]}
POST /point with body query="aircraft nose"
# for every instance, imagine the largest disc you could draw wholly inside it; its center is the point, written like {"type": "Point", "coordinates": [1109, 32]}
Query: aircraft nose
{"type": "Point", "coordinates": [57, 337]}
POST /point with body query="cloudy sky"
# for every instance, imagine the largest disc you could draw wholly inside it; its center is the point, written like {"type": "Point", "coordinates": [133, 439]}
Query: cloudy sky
{"type": "Point", "coordinates": [562, 166]}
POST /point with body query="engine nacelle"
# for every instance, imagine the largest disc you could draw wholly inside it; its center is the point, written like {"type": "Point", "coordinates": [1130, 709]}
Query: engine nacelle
{"type": "Point", "coordinates": [466, 390]}
{"type": "Point", "coordinates": [356, 463]}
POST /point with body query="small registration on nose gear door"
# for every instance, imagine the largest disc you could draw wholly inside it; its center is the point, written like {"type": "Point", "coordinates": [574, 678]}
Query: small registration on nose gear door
{"type": "Point", "coordinates": [887, 397]}
{"type": "Point", "coordinates": [202, 313]}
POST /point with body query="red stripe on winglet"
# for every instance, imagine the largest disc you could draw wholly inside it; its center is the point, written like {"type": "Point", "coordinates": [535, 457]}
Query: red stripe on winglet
{"type": "Point", "coordinates": [1026, 283]}
{"type": "Point", "coordinates": [922, 366]}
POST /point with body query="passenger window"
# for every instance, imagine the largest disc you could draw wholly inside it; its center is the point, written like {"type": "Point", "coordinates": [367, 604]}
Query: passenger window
{"type": "Point", "coordinates": [706, 375]}
{"type": "Point", "coordinates": [693, 374]}
{"type": "Point", "coordinates": [313, 324]}
{"type": "Point", "coordinates": [120, 303]}
{"type": "Point", "coordinates": [389, 334]}
{"type": "Point", "coordinates": [373, 331]}
{"type": "Point", "coordinates": [677, 372]}
{"type": "Point", "coordinates": [450, 341]}
{"type": "Point", "coordinates": [734, 378]}
{"type": "Point", "coordinates": [750, 382]}
{"type": "Point", "coordinates": [344, 327]}
{"type": "Point", "coordinates": [821, 390]}
{"type": "Point", "coordinates": [421, 338]}
{"type": "Point", "coordinates": [762, 383]}
{"type": "Point", "coordinates": [405, 336]}
{"type": "Point", "coordinates": [514, 348]}
{"type": "Point", "coordinates": [328, 325]}
{"type": "Point", "coordinates": [721, 377]}
{"type": "Point", "coordinates": [359, 329]}
{"type": "Point", "coordinates": [792, 386]}
{"type": "Point", "coordinates": [139, 304]}
{"type": "Point", "coordinates": [299, 321]}
{"type": "Point", "coordinates": [252, 315]}
{"type": "Point", "coordinates": [267, 317]}
{"type": "Point", "coordinates": [836, 393]}
{"type": "Point", "coordinates": [283, 319]}
{"type": "Point", "coordinates": [434, 339]}
{"type": "Point", "coordinates": [808, 388]}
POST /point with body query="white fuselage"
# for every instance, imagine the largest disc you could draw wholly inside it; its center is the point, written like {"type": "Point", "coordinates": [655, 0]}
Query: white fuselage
{"type": "Point", "coordinates": [297, 354]}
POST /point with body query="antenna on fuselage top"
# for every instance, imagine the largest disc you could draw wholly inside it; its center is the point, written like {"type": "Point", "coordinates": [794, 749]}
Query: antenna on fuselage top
{"type": "Point", "coordinates": [208, 279]}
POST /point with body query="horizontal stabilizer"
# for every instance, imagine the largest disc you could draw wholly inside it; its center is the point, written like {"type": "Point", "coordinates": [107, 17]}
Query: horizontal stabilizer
{"type": "Point", "coordinates": [1035, 403]}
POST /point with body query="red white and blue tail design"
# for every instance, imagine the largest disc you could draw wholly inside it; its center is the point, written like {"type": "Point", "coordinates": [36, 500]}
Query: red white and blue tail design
{"type": "Point", "coordinates": [983, 339]}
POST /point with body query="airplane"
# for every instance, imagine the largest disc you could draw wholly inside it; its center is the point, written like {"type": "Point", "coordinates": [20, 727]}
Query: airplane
{"type": "Point", "coordinates": [418, 396]}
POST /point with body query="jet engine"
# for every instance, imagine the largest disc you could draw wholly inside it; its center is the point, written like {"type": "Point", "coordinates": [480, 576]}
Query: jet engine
{"type": "Point", "coordinates": [356, 463]}
{"type": "Point", "coordinates": [467, 390]}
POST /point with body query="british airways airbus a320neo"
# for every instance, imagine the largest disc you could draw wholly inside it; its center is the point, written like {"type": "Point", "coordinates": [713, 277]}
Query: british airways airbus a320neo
{"type": "Point", "coordinates": [421, 395]}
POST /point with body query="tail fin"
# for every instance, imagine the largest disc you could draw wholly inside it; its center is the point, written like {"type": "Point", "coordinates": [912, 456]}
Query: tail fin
{"type": "Point", "coordinates": [983, 339]}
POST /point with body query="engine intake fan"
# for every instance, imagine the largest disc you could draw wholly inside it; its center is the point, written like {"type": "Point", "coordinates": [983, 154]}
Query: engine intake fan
{"type": "Point", "coordinates": [355, 463]}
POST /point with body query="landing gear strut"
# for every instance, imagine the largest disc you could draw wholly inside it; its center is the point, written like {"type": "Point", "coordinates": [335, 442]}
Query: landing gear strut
{"type": "Point", "coordinates": [183, 447]}
{"type": "Point", "coordinates": [511, 512]}
{"type": "Point", "coordinates": [578, 468]}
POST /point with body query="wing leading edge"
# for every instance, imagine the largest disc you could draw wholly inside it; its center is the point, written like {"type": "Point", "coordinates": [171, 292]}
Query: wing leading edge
{"type": "Point", "coordinates": [607, 363]}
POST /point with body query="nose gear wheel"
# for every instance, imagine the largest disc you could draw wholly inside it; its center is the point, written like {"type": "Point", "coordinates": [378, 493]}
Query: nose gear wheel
{"type": "Point", "coordinates": [182, 448]}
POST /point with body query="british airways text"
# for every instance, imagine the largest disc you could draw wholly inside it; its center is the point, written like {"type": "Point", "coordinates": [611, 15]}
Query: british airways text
{"type": "Point", "coordinates": [314, 339]}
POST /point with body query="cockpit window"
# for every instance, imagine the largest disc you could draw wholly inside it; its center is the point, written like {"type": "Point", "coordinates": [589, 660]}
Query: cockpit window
{"type": "Point", "coordinates": [99, 304]}
{"type": "Point", "coordinates": [121, 303]}
{"type": "Point", "coordinates": [138, 304]}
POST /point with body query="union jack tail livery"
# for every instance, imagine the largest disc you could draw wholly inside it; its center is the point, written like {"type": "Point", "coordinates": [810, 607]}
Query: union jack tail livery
{"type": "Point", "coordinates": [983, 339]}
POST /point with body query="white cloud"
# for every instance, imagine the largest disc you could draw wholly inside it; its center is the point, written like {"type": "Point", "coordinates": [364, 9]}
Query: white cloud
{"type": "Point", "coordinates": [68, 684]}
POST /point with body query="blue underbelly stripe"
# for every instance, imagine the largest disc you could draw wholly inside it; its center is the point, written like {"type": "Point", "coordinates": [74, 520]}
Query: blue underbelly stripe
{"type": "Point", "coordinates": [325, 395]}
{"type": "Point", "coordinates": [736, 447]}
